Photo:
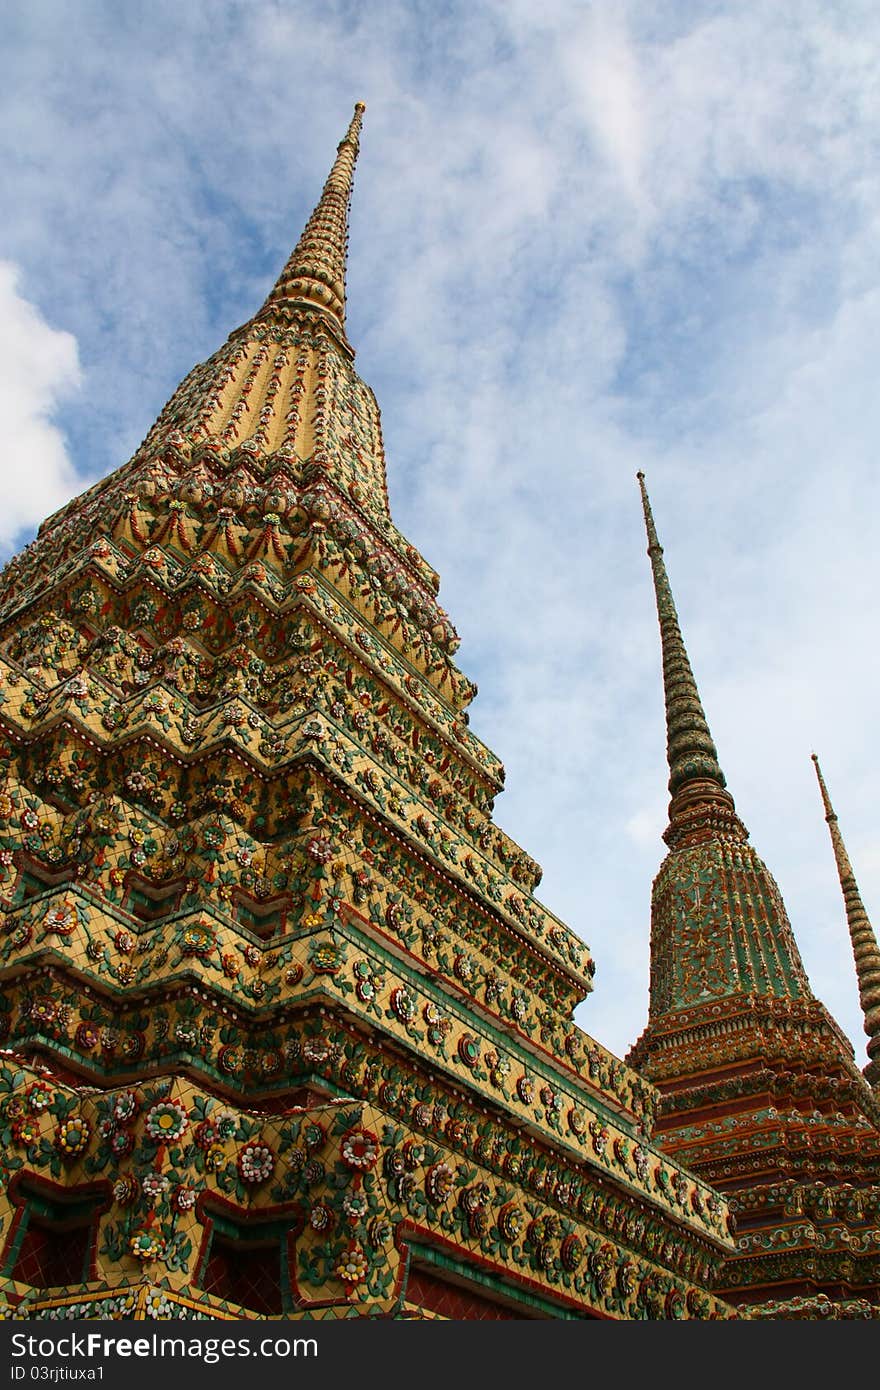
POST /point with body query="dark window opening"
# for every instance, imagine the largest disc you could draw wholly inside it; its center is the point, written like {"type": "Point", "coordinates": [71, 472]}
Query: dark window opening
{"type": "Point", "coordinates": [53, 1244]}
{"type": "Point", "coordinates": [435, 1294]}
{"type": "Point", "coordinates": [245, 1267]}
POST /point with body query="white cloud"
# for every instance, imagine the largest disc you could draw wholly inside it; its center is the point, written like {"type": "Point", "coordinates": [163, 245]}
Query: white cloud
{"type": "Point", "coordinates": [39, 371]}
{"type": "Point", "coordinates": [646, 827]}
{"type": "Point", "coordinates": [601, 64]}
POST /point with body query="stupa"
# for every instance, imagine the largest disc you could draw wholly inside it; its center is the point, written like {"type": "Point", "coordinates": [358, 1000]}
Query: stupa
{"type": "Point", "coordinates": [285, 1030]}
{"type": "Point", "coordinates": [761, 1094]}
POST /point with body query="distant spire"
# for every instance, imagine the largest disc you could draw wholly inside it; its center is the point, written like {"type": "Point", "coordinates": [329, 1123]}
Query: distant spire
{"type": "Point", "coordinates": [864, 943]}
{"type": "Point", "coordinates": [691, 753]}
{"type": "Point", "coordinates": [315, 273]}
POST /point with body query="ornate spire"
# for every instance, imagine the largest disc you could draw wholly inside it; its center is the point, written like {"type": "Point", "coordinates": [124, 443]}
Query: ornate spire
{"type": "Point", "coordinates": [315, 273]}
{"type": "Point", "coordinates": [719, 929]}
{"type": "Point", "coordinates": [864, 943]}
{"type": "Point", "coordinates": [693, 760]}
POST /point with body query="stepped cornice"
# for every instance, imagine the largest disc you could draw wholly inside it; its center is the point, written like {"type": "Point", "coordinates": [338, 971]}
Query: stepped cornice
{"type": "Point", "coordinates": [553, 1230]}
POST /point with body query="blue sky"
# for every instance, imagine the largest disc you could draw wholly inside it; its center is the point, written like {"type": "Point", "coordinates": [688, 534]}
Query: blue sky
{"type": "Point", "coordinates": [599, 238]}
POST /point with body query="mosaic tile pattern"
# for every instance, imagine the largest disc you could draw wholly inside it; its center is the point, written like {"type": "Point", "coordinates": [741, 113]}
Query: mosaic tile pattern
{"type": "Point", "coordinates": [762, 1096]}
{"type": "Point", "coordinates": [285, 1028]}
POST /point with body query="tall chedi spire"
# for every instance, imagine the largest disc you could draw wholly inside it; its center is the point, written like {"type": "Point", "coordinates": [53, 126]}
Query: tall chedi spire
{"type": "Point", "coordinates": [284, 1027]}
{"type": "Point", "coordinates": [864, 943]}
{"type": "Point", "coordinates": [758, 1081]}
{"type": "Point", "coordinates": [315, 273]}
{"type": "Point", "coordinates": [719, 922]}
{"type": "Point", "coordinates": [693, 759]}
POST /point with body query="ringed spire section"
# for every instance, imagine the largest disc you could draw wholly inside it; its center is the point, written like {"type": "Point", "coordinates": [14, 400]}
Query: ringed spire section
{"type": "Point", "coordinates": [866, 952]}
{"type": "Point", "coordinates": [314, 275]}
{"type": "Point", "coordinates": [693, 759]}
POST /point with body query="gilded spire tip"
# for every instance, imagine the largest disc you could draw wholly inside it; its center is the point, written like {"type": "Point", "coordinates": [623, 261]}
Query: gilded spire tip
{"type": "Point", "coordinates": [354, 126]}
{"type": "Point", "coordinates": [314, 276]}
{"type": "Point", "coordinates": [653, 542]}
{"type": "Point", "coordinates": [826, 799]}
